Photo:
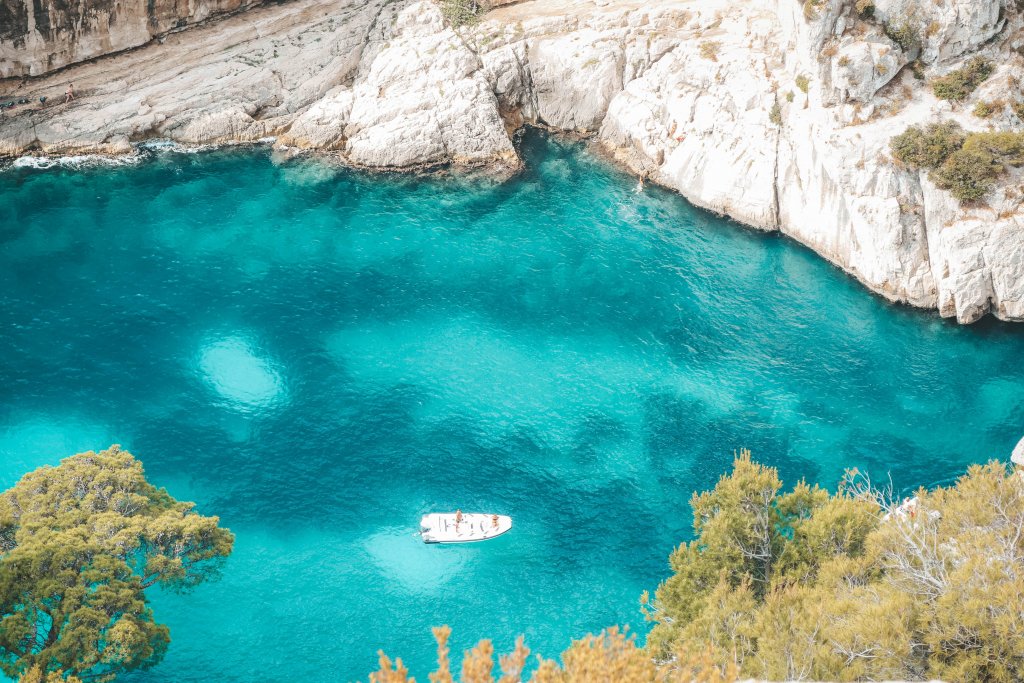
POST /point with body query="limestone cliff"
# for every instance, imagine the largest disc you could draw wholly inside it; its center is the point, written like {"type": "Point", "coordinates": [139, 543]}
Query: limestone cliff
{"type": "Point", "coordinates": [38, 36]}
{"type": "Point", "coordinates": [774, 112]}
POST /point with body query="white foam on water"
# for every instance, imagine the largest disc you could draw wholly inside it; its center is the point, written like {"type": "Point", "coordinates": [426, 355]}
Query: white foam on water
{"type": "Point", "coordinates": [77, 162]}
{"type": "Point", "coordinates": [165, 145]}
{"type": "Point", "coordinates": [83, 161]}
{"type": "Point", "coordinates": [234, 368]}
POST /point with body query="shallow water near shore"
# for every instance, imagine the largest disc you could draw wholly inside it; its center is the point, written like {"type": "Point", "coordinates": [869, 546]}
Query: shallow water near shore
{"type": "Point", "coordinates": [320, 356]}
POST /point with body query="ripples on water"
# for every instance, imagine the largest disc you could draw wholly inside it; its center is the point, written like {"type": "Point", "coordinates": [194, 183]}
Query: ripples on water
{"type": "Point", "coordinates": [319, 357]}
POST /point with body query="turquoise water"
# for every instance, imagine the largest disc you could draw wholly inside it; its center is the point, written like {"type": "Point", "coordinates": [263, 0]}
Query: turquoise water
{"type": "Point", "coordinates": [321, 356]}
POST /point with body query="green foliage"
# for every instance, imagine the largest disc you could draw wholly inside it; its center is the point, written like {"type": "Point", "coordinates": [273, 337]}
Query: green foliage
{"type": "Point", "coordinates": [775, 114]}
{"type": "Point", "coordinates": [79, 544]}
{"type": "Point", "coordinates": [927, 148]}
{"type": "Point", "coordinates": [811, 586]}
{"type": "Point", "coordinates": [983, 109]}
{"type": "Point", "coordinates": [802, 82]}
{"type": "Point", "coordinates": [903, 34]}
{"type": "Point", "coordinates": [1005, 147]}
{"type": "Point", "coordinates": [958, 84]}
{"type": "Point", "coordinates": [966, 164]}
{"type": "Point", "coordinates": [36, 675]}
{"type": "Point", "coordinates": [460, 12]}
{"type": "Point", "coordinates": [968, 174]}
{"type": "Point", "coordinates": [747, 535]}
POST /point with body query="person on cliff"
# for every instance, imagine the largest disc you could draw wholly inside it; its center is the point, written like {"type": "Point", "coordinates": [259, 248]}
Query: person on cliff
{"type": "Point", "coordinates": [69, 94]}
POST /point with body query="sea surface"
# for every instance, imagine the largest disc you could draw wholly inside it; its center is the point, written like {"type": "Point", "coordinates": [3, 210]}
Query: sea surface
{"type": "Point", "coordinates": [320, 356]}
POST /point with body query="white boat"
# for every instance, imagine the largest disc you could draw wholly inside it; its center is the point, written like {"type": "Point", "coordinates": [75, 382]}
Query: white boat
{"type": "Point", "coordinates": [440, 527]}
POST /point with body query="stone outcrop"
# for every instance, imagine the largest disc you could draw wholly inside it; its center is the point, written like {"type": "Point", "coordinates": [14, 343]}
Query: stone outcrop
{"type": "Point", "coordinates": [38, 36]}
{"type": "Point", "coordinates": [776, 113]}
{"type": "Point", "coordinates": [945, 30]}
{"type": "Point", "coordinates": [418, 98]}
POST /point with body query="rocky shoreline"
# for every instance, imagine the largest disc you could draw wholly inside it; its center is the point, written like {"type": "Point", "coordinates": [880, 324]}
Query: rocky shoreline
{"type": "Point", "coordinates": [775, 114]}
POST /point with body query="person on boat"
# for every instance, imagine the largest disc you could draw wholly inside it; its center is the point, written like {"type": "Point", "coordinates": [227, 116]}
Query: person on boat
{"type": "Point", "coordinates": [494, 521]}
{"type": "Point", "coordinates": [458, 518]}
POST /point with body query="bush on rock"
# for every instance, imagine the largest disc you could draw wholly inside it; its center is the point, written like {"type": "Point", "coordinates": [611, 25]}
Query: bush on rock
{"type": "Point", "coordinates": [966, 164]}
{"type": "Point", "coordinates": [460, 12]}
{"type": "Point", "coordinates": [928, 147]}
{"type": "Point", "coordinates": [968, 174]}
{"type": "Point", "coordinates": [958, 84]}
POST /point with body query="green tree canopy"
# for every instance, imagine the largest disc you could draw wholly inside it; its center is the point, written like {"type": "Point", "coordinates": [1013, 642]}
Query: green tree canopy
{"type": "Point", "coordinates": [79, 544]}
{"type": "Point", "coordinates": [806, 585]}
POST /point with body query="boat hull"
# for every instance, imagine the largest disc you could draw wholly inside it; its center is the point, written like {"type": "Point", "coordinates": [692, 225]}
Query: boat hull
{"type": "Point", "coordinates": [440, 527]}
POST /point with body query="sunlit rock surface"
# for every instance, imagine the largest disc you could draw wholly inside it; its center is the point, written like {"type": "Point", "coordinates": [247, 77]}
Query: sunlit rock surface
{"type": "Point", "coordinates": [770, 112]}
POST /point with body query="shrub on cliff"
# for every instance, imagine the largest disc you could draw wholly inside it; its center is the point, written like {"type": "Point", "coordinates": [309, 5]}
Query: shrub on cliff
{"type": "Point", "coordinates": [966, 164]}
{"type": "Point", "coordinates": [928, 147]}
{"type": "Point", "coordinates": [460, 12]}
{"type": "Point", "coordinates": [969, 174]}
{"type": "Point", "coordinates": [1005, 147]}
{"type": "Point", "coordinates": [958, 84]}
{"type": "Point", "coordinates": [811, 8]}
{"type": "Point", "coordinates": [903, 34]}
{"type": "Point", "coordinates": [984, 109]}
{"type": "Point", "coordinates": [865, 8]}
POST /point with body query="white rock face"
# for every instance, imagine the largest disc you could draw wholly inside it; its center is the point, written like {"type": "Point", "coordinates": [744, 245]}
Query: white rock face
{"type": "Point", "coordinates": [421, 99]}
{"type": "Point", "coordinates": [691, 122]}
{"type": "Point", "coordinates": [862, 67]}
{"type": "Point", "coordinates": [38, 36]}
{"type": "Point", "coordinates": [1017, 458]}
{"type": "Point", "coordinates": [322, 126]}
{"type": "Point", "coordinates": [947, 29]}
{"type": "Point", "coordinates": [804, 34]}
{"type": "Point", "coordinates": [978, 256]}
{"type": "Point", "coordinates": [574, 78]}
{"type": "Point", "coordinates": [703, 96]}
{"type": "Point", "coordinates": [859, 214]}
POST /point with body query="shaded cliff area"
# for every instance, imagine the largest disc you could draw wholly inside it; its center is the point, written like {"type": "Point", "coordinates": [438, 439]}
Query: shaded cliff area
{"type": "Point", "coordinates": [38, 36]}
